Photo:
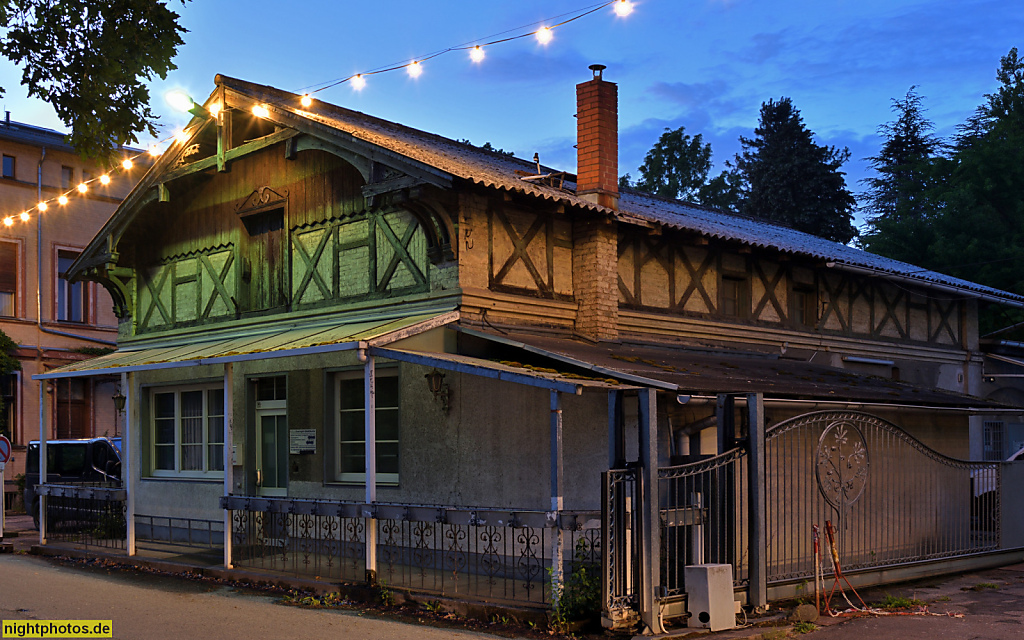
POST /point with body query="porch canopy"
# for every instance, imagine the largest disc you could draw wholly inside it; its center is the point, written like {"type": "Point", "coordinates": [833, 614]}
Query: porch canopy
{"type": "Point", "coordinates": [223, 348]}
{"type": "Point", "coordinates": [690, 371]}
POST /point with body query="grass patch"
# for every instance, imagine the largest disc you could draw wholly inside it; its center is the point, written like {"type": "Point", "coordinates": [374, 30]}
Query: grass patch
{"type": "Point", "coordinates": [943, 599]}
{"type": "Point", "coordinates": [804, 627]}
{"type": "Point", "coordinates": [774, 634]}
{"type": "Point", "coordinates": [895, 603]}
{"type": "Point", "coordinates": [981, 586]}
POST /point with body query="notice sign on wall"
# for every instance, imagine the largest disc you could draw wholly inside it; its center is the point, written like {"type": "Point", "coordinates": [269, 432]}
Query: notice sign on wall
{"type": "Point", "coordinates": [302, 441]}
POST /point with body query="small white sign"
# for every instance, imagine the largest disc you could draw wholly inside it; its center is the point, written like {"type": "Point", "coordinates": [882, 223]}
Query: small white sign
{"type": "Point", "coordinates": [302, 441]}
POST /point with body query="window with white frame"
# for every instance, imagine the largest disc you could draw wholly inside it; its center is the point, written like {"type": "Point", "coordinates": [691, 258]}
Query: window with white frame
{"type": "Point", "coordinates": [188, 431]}
{"type": "Point", "coordinates": [350, 421]}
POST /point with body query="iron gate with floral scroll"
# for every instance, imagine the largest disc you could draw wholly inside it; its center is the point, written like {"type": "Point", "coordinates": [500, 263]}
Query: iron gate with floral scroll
{"type": "Point", "coordinates": [891, 499]}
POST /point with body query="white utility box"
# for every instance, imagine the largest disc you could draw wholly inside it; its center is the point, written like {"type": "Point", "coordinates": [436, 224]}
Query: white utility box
{"type": "Point", "coordinates": [709, 597]}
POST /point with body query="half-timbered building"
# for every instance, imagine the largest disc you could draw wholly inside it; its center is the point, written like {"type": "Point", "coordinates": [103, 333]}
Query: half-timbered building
{"type": "Point", "coordinates": [366, 350]}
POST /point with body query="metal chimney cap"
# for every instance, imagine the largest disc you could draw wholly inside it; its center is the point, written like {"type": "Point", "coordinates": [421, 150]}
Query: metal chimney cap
{"type": "Point", "coordinates": [597, 69]}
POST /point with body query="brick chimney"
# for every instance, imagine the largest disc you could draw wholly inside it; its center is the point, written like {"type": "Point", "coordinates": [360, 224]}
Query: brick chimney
{"type": "Point", "coordinates": [597, 140]}
{"type": "Point", "coordinates": [595, 237]}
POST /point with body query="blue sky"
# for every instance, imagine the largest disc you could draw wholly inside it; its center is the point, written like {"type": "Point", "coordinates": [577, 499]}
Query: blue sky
{"type": "Point", "coordinates": [703, 64]}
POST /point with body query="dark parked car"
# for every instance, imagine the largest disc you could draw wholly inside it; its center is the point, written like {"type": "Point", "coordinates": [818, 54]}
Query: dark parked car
{"type": "Point", "coordinates": [92, 461]}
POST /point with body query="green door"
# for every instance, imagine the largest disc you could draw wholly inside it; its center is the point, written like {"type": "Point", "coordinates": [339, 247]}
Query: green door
{"type": "Point", "coordinates": [272, 448]}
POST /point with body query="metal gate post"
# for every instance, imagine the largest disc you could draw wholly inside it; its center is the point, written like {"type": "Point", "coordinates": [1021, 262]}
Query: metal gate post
{"type": "Point", "coordinates": [557, 503]}
{"type": "Point", "coordinates": [757, 539]}
{"type": "Point", "coordinates": [650, 540]}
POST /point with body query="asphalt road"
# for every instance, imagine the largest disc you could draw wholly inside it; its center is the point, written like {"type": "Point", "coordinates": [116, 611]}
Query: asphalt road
{"type": "Point", "coordinates": [981, 605]}
{"type": "Point", "coordinates": [156, 607]}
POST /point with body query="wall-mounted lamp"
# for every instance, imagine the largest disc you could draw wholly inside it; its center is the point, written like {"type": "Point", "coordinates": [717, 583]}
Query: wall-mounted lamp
{"type": "Point", "coordinates": [118, 399]}
{"type": "Point", "coordinates": [442, 392]}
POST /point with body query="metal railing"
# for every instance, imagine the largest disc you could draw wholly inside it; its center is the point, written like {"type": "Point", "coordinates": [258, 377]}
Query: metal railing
{"type": "Point", "coordinates": [180, 532]}
{"type": "Point", "coordinates": [891, 499]}
{"type": "Point", "coordinates": [474, 553]}
{"type": "Point", "coordinates": [704, 518]}
{"type": "Point", "coordinates": [91, 515]}
{"type": "Point", "coordinates": [620, 528]}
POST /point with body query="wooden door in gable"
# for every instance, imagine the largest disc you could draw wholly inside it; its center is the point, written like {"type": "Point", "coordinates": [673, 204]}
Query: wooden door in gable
{"type": "Point", "coordinates": [267, 250]}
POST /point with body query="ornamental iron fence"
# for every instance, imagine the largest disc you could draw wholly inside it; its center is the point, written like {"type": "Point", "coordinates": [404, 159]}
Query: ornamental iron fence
{"type": "Point", "coordinates": [90, 515]}
{"type": "Point", "coordinates": [500, 556]}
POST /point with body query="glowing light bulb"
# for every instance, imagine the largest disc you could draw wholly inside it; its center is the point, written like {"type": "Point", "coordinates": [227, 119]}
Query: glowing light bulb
{"type": "Point", "coordinates": [544, 35]}
{"type": "Point", "coordinates": [127, 164]}
{"type": "Point", "coordinates": [104, 179]}
{"type": "Point", "coordinates": [179, 100]}
{"type": "Point", "coordinates": [306, 101]}
{"type": "Point", "coordinates": [82, 187]}
{"type": "Point", "coordinates": [623, 8]}
{"type": "Point", "coordinates": [260, 111]}
{"type": "Point", "coordinates": [155, 151]}
{"type": "Point", "coordinates": [214, 109]}
{"type": "Point", "coordinates": [63, 200]}
{"type": "Point", "coordinates": [358, 82]}
{"type": "Point", "coordinates": [476, 54]}
{"type": "Point", "coordinates": [181, 136]}
{"type": "Point", "coordinates": [8, 221]}
{"type": "Point", "coordinates": [24, 216]}
{"type": "Point", "coordinates": [415, 69]}
{"type": "Point", "coordinates": [42, 206]}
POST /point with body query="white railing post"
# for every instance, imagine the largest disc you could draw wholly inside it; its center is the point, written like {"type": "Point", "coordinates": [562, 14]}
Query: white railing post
{"type": "Point", "coordinates": [128, 452]}
{"type": "Point", "coordinates": [370, 434]}
{"type": "Point", "coordinates": [557, 503]}
{"type": "Point", "coordinates": [229, 383]}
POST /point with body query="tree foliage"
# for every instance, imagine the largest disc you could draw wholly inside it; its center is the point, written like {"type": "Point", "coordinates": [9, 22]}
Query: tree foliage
{"type": "Point", "coordinates": [679, 166]}
{"type": "Point", "coordinates": [972, 198]}
{"type": "Point", "coordinates": [91, 61]}
{"type": "Point", "coordinates": [789, 178]}
{"type": "Point", "coordinates": [896, 200]}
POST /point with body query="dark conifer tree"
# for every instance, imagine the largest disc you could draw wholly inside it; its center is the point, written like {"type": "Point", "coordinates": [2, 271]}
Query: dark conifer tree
{"type": "Point", "coordinates": [789, 178]}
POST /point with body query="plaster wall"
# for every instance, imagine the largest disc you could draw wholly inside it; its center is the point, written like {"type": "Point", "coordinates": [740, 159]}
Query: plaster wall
{"type": "Point", "coordinates": [491, 450]}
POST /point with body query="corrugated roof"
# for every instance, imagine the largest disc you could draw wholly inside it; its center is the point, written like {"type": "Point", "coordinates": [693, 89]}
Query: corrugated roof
{"type": "Point", "coordinates": [689, 371]}
{"type": "Point", "coordinates": [283, 342]}
{"type": "Point", "coordinates": [498, 171]}
{"type": "Point", "coordinates": [758, 233]}
{"type": "Point", "coordinates": [461, 160]}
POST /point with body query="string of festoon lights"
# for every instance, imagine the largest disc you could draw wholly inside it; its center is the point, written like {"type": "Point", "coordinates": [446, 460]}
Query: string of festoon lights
{"type": "Point", "coordinates": [542, 31]}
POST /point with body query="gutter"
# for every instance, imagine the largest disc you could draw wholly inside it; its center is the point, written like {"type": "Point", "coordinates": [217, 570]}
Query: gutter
{"type": "Point", "coordinates": [814, 404]}
{"type": "Point", "coordinates": [39, 268]}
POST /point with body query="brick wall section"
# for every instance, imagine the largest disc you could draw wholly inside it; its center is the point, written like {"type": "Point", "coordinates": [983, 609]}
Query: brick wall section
{"type": "Point", "coordinates": [595, 277]}
{"type": "Point", "coordinates": [597, 142]}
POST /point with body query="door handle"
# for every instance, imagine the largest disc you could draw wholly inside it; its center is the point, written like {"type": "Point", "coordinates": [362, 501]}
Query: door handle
{"type": "Point", "coordinates": [259, 477]}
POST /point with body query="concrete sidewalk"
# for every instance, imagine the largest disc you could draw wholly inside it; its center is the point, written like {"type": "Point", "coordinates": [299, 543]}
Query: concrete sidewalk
{"type": "Point", "coordinates": [982, 605]}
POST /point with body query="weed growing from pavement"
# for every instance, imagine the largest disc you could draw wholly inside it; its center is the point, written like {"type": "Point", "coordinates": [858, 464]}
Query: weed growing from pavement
{"type": "Point", "coordinates": [804, 627]}
{"type": "Point", "coordinates": [385, 595]}
{"type": "Point", "coordinates": [894, 603]}
{"type": "Point", "coordinates": [774, 634]}
{"type": "Point", "coordinates": [433, 606]}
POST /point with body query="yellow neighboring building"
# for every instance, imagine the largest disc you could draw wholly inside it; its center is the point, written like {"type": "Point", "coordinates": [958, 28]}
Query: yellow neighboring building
{"type": "Point", "coordinates": [52, 322]}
